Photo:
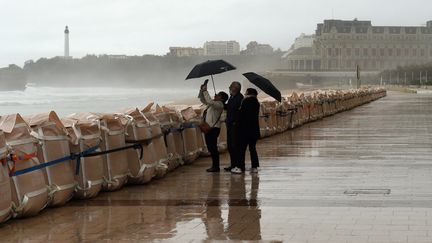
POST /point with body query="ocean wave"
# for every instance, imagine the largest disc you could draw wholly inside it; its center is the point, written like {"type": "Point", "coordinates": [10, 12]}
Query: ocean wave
{"type": "Point", "coordinates": [35, 98]}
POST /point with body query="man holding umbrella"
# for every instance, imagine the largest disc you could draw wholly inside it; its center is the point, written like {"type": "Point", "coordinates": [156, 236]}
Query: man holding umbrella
{"type": "Point", "coordinates": [248, 121]}
{"type": "Point", "coordinates": [232, 123]}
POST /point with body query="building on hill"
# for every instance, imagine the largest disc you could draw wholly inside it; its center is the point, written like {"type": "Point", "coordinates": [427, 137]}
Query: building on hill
{"type": "Point", "coordinates": [185, 51]}
{"type": "Point", "coordinates": [221, 48]}
{"type": "Point", "coordinates": [255, 48]}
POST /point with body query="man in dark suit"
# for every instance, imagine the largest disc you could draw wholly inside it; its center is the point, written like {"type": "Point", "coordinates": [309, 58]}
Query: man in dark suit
{"type": "Point", "coordinates": [249, 130]}
{"type": "Point", "coordinates": [232, 123]}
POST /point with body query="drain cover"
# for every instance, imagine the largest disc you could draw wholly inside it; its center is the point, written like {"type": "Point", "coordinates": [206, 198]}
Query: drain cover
{"type": "Point", "coordinates": [355, 192]}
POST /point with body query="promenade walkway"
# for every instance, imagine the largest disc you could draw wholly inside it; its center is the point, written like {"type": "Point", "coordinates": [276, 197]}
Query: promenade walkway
{"type": "Point", "coordinates": [364, 175]}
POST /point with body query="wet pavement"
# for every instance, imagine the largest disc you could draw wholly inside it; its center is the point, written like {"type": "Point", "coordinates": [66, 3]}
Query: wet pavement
{"type": "Point", "coordinates": [364, 175]}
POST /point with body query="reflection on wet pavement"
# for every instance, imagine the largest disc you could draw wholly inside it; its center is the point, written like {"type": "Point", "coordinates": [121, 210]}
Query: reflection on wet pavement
{"type": "Point", "coordinates": [381, 152]}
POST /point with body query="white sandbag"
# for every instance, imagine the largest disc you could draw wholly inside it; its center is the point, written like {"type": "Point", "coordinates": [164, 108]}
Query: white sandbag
{"type": "Point", "coordinates": [141, 169]}
{"type": "Point", "coordinates": [202, 147]}
{"type": "Point", "coordinates": [54, 144]}
{"type": "Point", "coordinates": [5, 187]}
{"type": "Point", "coordinates": [116, 168]}
{"type": "Point", "coordinates": [85, 135]}
{"type": "Point", "coordinates": [158, 141]}
{"type": "Point", "coordinates": [169, 125]}
{"type": "Point", "coordinates": [264, 121]}
{"type": "Point", "coordinates": [189, 134]}
{"type": "Point", "coordinates": [29, 190]}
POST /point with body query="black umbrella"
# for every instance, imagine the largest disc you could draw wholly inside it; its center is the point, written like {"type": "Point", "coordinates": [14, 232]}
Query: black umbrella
{"type": "Point", "coordinates": [264, 84]}
{"type": "Point", "coordinates": [210, 67]}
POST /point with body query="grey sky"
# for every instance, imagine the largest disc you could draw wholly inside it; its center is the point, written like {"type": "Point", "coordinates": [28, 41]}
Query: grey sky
{"type": "Point", "coordinates": [33, 29]}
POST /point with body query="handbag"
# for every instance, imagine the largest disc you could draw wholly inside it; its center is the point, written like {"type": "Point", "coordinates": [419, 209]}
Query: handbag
{"type": "Point", "coordinates": [204, 126]}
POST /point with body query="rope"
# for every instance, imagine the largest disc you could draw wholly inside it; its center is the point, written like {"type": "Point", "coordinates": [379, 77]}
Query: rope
{"type": "Point", "coordinates": [190, 125]}
{"type": "Point", "coordinates": [134, 146]}
{"type": "Point", "coordinates": [77, 156]}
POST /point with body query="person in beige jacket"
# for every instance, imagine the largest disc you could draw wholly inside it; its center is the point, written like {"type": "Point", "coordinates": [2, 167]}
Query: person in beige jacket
{"type": "Point", "coordinates": [212, 115]}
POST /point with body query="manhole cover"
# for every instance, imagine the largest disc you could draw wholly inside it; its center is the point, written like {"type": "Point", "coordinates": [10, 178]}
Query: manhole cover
{"type": "Point", "coordinates": [355, 192]}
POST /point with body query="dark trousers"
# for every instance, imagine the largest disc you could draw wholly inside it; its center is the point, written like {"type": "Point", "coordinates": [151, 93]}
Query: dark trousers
{"type": "Point", "coordinates": [251, 142]}
{"type": "Point", "coordinates": [233, 144]}
{"type": "Point", "coordinates": [211, 142]}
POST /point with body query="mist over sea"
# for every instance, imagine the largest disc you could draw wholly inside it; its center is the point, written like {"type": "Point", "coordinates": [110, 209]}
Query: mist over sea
{"type": "Point", "coordinates": [68, 100]}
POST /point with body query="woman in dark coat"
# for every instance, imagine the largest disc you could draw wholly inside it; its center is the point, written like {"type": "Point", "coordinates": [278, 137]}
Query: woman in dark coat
{"type": "Point", "coordinates": [249, 129]}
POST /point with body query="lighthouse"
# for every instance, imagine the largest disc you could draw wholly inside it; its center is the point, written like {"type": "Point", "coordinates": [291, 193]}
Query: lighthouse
{"type": "Point", "coordinates": [66, 42]}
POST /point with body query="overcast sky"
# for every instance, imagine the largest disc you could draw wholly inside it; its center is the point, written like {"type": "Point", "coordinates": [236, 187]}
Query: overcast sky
{"type": "Point", "coordinates": [34, 28]}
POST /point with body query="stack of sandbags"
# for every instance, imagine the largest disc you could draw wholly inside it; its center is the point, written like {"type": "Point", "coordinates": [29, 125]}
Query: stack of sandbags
{"type": "Point", "coordinates": [268, 118]}
{"type": "Point", "coordinates": [271, 107]}
{"type": "Point", "coordinates": [176, 131]}
{"type": "Point", "coordinates": [202, 146]}
{"type": "Point", "coordinates": [142, 169]}
{"type": "Point", "coordinates": [158, 141]}
{"type": "Point", "coordinates": [317, 113]}
{"type": "Point", "coordinates": [283, 116]}
{"type": "Point", "coordinates": [292, 111]}
{"type": "Point", "coordinates": [29, 190]}
{"type": "Point", "coordinates": [332, 100]}
{"type": "Point", "coordinates": [264, 121]}
{"type": "Point", "coordinates": [326, 104]}
{"type": "Point", "coordinates": [5, 188]}
{"type": "Point", "coordinates": [189, 133]}
{"type": "Point", "coordinates": [53, 145]}
{"type": "Point", "coordinates": [305, 109]}
{"type": "Point", "coordinates": [116, 168]}
{"type": "Point", "coordinates": [296, 117]}
{"type": "Point", "coordinates": [310, 99]}
{"type": "Point", "coordinates": [169, 124]}
{"type": "Point", "coordinates": [341, 97]}
{"type": "Point", "coordinates": [85, 137]}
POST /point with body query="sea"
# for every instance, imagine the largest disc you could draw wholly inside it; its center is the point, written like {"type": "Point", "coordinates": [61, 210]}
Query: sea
{"type": "Point", "coordinates": [38, 99]}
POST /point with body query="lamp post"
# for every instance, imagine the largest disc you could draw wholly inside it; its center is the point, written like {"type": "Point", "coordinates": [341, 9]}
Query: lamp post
{"type": "Point", "coordinates": [358, 77]}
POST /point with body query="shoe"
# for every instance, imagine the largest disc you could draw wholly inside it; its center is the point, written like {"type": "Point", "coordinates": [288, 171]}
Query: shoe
{"type": "Point", "coordinates": [236, 170]}
{"type": "Point", "coordinates": [228, 169]}
{"type": "Point", "coordinates": [213, 169]}
{"type": "Point", "coordinates": [254, 170]}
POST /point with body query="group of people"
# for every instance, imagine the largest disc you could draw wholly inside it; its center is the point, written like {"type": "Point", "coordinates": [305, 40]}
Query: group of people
{"type": "Point", "coordinates": [242, 122]}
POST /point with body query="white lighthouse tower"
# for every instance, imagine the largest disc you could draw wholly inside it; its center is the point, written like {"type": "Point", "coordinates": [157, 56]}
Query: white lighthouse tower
{"type": "Point", "coordinates": [66, 43]}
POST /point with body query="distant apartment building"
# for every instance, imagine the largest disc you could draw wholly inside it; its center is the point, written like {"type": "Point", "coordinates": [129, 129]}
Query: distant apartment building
{"type": "Point", "coordinates": [342, 45]}
{"type": "Point", "coordinates": [221, 48]}
{"type": "Point", "coordinates": [254, 48]}
{"type": "Point", "coordinates": [117, 57]}
{"type": "Point", "coordinates": [185, 51]}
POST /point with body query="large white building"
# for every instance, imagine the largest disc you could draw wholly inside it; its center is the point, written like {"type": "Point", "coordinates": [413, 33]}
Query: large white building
{"type": "Point", "coordinates": [221, 48]}
{"type": "Point", "coordinates": [341, 45]}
